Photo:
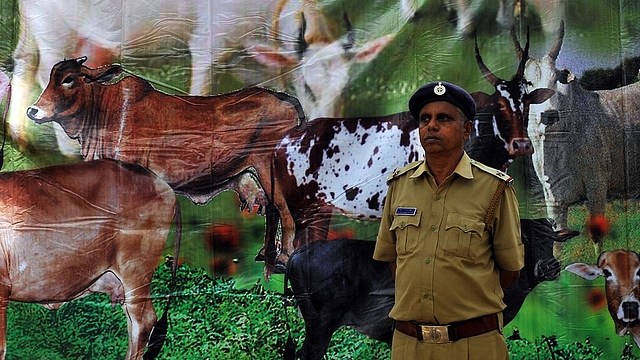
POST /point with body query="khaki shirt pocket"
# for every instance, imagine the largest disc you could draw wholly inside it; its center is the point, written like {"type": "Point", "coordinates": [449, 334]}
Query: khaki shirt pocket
{"type": "Point", "coordinates": [463, 236]}
{"type": "Point", "coordinates": [407, 232]}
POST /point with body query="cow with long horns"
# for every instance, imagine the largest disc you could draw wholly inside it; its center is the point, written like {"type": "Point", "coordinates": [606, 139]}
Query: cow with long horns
{"type": "Point", "coordinates": [586, 142]}
{"type": "Point", "coordinates": [335, 165]}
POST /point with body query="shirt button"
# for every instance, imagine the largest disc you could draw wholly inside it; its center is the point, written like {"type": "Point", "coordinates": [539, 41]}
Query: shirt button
{"type": "Point", "coordinates": [433, 228]}
{"type": "Point", "coordinates": [425, 295]}
{"type": "Point", "coordinates": [438, 197]}
{"type": "Point", "coordinates": [428, 261]}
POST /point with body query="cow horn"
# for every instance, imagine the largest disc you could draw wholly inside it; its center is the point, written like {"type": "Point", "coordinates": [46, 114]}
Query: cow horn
{"type": "Point", "coordinates": [351, 34]}
{"type": "Point", "coordinates": [555, 49]}
{"type": "Point", "coordinates": [523, 58]}
{"type": "Point", "coordinates": [301, 44]}
{"type": "Point", "coordinates": [275, 29]}
{"type": "Point", "coordinates": [491, 78]}
{"type": "Point", "coordinates": [317, 28]}
{"type": "Point", "coordinates": [516, 43]}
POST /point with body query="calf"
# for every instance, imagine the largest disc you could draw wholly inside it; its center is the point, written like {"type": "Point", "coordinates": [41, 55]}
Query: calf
{"type": "Point", "coordinates": [338, 283]}
{"type": "Point", "coordinates": [621, 270]}
{"type": "Point", "coordinates": [70, 230]}
{"type": "Point", "coordinates": [200, 145]}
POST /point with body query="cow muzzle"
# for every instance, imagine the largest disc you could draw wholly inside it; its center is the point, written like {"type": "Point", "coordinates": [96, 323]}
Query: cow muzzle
{"type": "Point", "coordinates": [520, 147]}
{"type": "Point", "coordinates": [629, 310]}
{"type": "Point", "coordinates": [36, 114]}
{"type": "Point", "coordinates": [546, 270]}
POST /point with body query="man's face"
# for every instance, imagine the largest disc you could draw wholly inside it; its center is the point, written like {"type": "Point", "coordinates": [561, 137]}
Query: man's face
{"type": "Point", "coordinates": [441, 128]}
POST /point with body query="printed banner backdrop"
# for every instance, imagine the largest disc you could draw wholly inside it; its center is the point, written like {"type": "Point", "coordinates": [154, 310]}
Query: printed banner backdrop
{"type": "Point", "coordinates": [251, 132]}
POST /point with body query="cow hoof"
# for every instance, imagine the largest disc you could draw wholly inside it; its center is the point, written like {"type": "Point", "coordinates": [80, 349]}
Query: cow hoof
{"type": "Point", "coordinates": [259, 257]}
{"type": "Point", "coordinates": [279, 268]}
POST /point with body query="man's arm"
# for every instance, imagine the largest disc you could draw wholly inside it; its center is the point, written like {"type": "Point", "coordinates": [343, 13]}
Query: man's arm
{"type": "Point", "coordinates": [506, 278]}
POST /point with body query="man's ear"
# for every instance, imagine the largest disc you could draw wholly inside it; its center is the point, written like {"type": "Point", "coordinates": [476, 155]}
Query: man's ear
{"type": "Point", "coordinates": [468, 126]}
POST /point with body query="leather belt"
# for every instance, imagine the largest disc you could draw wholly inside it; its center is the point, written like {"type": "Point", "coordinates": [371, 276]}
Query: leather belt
{"type": "Point", "coordinates": [440, 334]}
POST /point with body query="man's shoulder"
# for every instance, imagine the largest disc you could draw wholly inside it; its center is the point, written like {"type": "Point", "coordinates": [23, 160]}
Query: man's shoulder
{"type": "Point", "coordinates": [489, 170]}
{"type": "Point", "coordinates": [399, 172]}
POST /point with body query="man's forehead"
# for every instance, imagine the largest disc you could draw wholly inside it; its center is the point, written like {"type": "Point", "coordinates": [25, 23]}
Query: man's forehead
{"type": "Point", "coordinates": [440, 107]}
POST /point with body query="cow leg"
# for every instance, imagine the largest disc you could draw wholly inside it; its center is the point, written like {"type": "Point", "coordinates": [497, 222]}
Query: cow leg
{"type": "Point", "coordinates": [201, 57]}
{"type": "Point", "coordinates": [313, 226]}
{"type": "Point", "coordinates": [135, 274]}
{"type": "Point", "coordinates": [272, 189]}
{"type": "Point", "coordinates": [140, 320]}
{"type": "Point", "coordinates": [20, 100]}
{"type": "Point", "coordinates": [319, 227]}
{"type": "Point", "coordinates": [4, 302]}
{"type": "Point", "coordinates": [322, 314]}
{"type": "Point", "coordinates": [317, 338]}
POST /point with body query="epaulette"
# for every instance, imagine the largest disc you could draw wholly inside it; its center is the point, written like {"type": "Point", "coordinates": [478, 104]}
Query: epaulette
{"type": "Point", "coordinates": [403, 170]}
{"type": "Point", "coordinates": [495, 172]}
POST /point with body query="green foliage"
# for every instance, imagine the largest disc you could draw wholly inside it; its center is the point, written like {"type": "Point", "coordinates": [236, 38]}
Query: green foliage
{"type": "Point", "coordinates": [548, 348]}
{"type": "Point", "coordinates": [212, 319]}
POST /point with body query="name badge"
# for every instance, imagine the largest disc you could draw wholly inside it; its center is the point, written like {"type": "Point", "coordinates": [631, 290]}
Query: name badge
{"type": "Point", "coordinates": [406, 211]}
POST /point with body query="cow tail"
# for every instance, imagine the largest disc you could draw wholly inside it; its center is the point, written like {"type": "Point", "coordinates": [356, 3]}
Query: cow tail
{"type": "Point", "coordinates": [159, 332]}
{"type": "Point", "coordinates": [302, 117]}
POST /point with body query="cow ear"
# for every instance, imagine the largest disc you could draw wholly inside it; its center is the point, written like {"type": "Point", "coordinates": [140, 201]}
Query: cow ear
{"type": "Point", "coordinates": [585, 271]}
{"type": "Point", "coordinates": [371, 49]}
{"type": "Point", "coordinates": [481, 99]}
{"type": "Point", "coordinates": [107, 73]}
{"type": "Point", "coordinates": [271, 56]}
{"type": "Point", "coordinates": [565, 234]}
{"type": "Point", "coordinates": [540, 95]}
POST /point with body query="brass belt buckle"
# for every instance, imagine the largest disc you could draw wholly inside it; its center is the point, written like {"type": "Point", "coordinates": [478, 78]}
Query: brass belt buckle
{"type": "Point", "coordinates": [435, 334]}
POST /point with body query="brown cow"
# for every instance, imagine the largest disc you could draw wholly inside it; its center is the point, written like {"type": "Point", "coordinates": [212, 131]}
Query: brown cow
{"type": "Point", "coordinates": [200, 145]}
{"type": "Point", "coordinates": [70, 230]}
{"type": "Point", "coordinates": [621, 270]}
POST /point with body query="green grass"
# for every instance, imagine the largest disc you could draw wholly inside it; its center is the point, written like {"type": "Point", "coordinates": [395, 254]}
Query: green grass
{"type": "Point", "coordinates": [212, 319]}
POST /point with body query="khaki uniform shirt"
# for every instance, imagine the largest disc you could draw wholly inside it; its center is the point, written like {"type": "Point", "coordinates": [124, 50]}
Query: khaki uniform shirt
{"type": "Point", "coordinates": [447, 268]}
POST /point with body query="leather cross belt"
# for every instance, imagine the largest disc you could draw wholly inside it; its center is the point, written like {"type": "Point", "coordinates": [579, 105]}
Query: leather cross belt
{"type": "Point", "coordinates": [440, 334]}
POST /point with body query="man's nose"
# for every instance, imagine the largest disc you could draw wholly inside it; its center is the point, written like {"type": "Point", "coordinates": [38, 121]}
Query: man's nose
{"type": "Point", "coordinates": [433, 125]}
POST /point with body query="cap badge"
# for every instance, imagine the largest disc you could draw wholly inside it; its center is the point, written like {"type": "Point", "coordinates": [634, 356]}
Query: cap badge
{"type": "Point", "coordinates": [439, 89]}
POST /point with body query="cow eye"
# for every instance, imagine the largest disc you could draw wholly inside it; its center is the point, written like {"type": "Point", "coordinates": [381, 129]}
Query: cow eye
{"type": "Point", "coordinates": [607, 273]}
{"type": "Point", "coordinates": [68, 81]}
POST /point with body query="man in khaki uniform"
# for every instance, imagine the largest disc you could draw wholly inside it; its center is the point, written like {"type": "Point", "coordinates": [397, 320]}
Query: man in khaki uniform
{"type": "Point", "coordinates": [452, 253]}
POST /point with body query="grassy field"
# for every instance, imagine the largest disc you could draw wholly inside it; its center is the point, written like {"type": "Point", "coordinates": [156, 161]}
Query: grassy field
{"type": "Point", "coordinates": [212, 319]}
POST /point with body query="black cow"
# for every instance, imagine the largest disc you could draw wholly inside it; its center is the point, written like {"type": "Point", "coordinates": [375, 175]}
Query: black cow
{"type": "Point", "coordinates": [339, 283]}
